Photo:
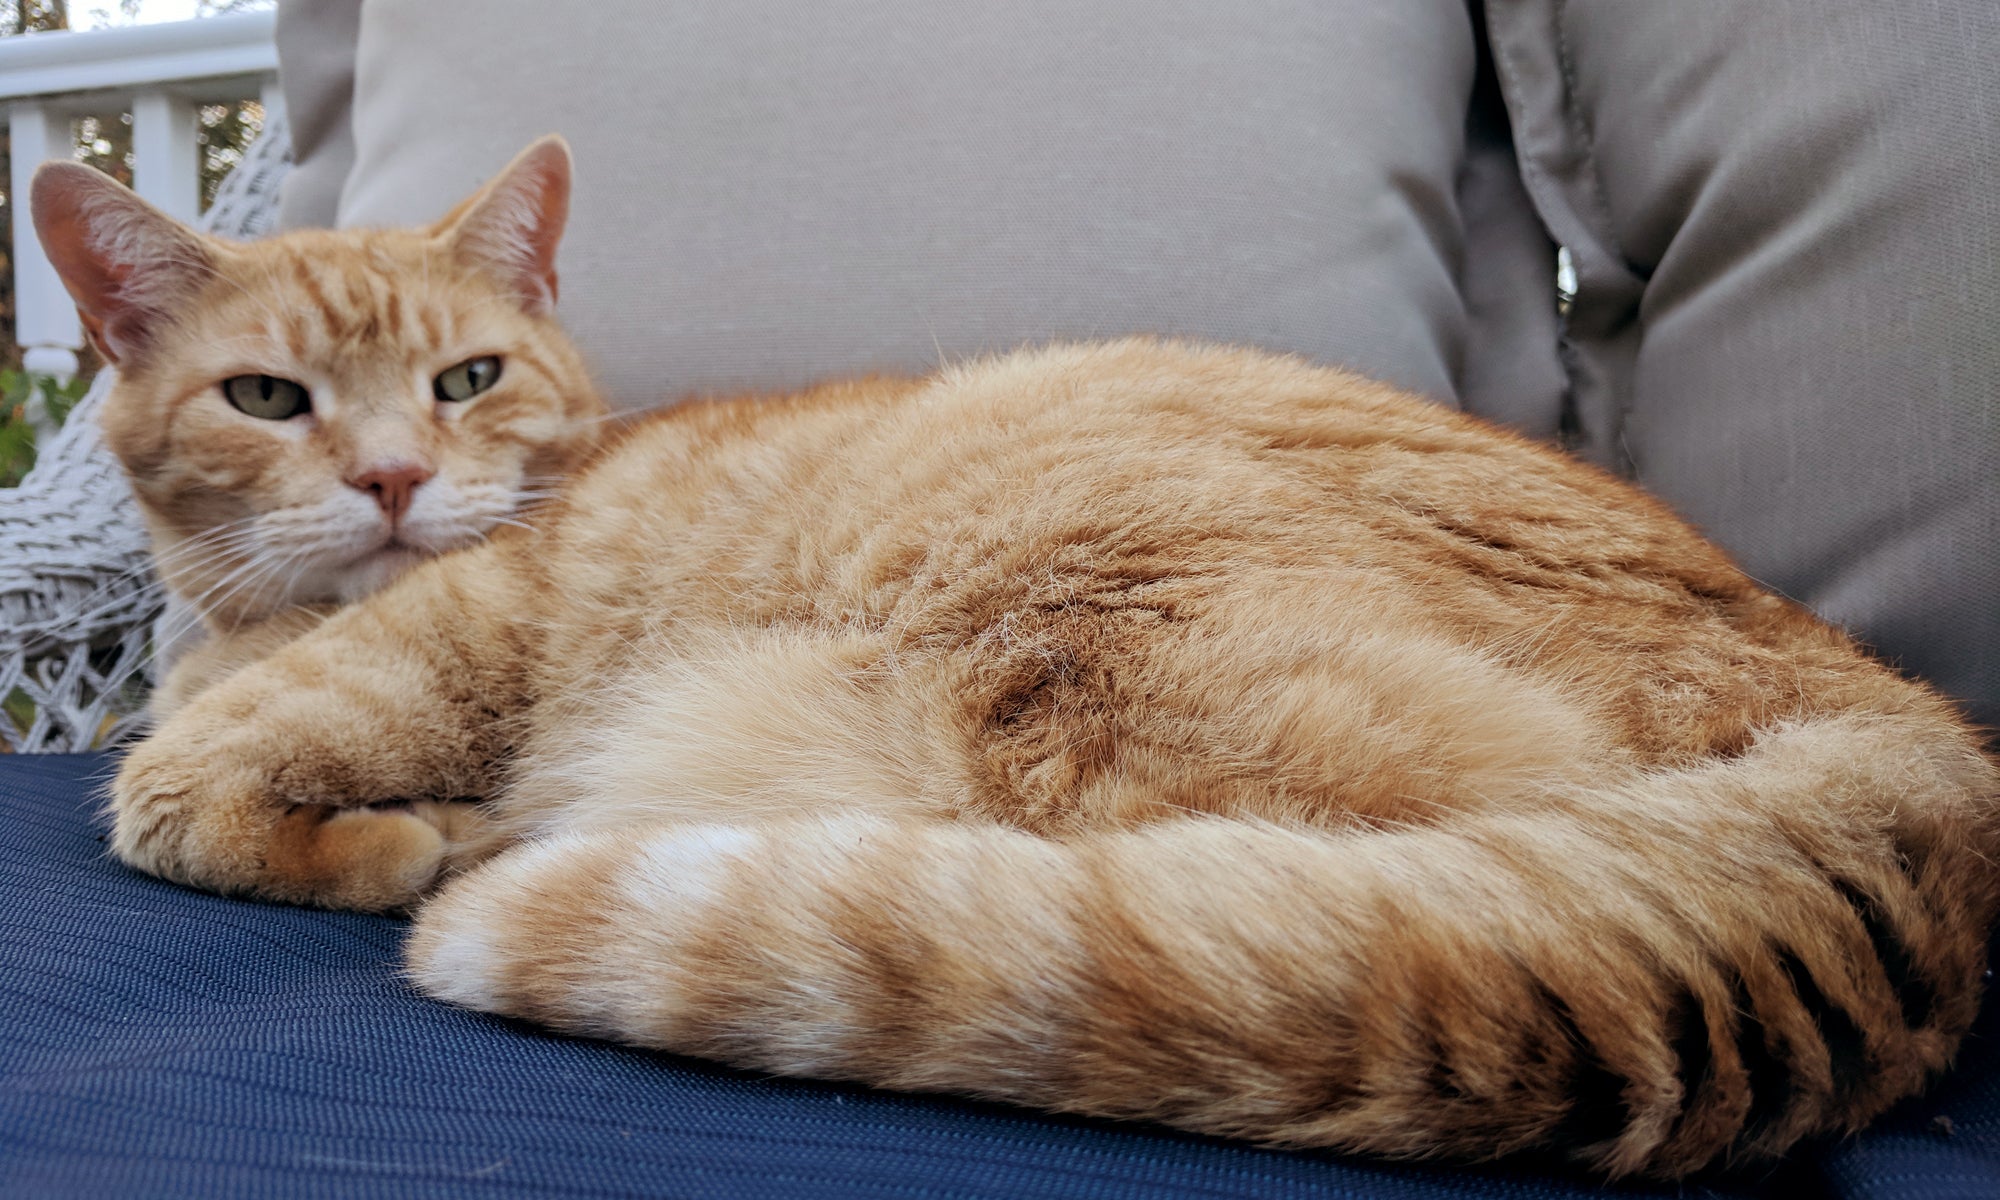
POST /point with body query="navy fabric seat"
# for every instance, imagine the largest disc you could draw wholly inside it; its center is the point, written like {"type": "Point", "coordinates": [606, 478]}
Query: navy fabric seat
{"type": "Point", "coordinates": [159, 1041]}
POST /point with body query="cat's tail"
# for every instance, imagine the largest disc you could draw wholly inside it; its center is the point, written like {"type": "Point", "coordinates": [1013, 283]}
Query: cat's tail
{"type": "Point", "coordinates": [1685, 968]}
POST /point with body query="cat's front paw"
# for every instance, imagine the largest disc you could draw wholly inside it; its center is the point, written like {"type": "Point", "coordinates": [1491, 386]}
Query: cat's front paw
{"type": "Point", "coordinates": [209, 822]}
{"type": "Point", "coordinates": [366, 859]}
{"type": "Point", "coordinates": [585, 933]}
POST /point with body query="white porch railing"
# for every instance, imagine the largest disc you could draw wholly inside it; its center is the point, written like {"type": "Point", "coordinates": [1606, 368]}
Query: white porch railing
{"type": "Point", "coordinates": [162, 73]}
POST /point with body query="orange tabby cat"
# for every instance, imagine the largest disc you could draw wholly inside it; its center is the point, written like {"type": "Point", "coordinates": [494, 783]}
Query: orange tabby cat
{"type": "Point", "coordinates": [305, 417]}
{"type": "Point", "coordinates": [1146, 730]}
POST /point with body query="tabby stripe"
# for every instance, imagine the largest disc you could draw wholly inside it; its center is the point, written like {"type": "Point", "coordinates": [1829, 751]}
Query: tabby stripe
{"type": "Point", "coordinates": [310, 283]}
{"type": "Point", "coordinates": [1687, 1033]}
{"type": "Point", "coordinates": [1769, 1076]}
{"type": "Point", "coordinates": [1846, 1046]}
{"type": "Point", "coordinates": [1597, 1111]}
{"type": "Point", "coordinates": [534, 362]}
{"type": "Point", "coordinates": [1441, 1079]}
{"type": "Point", "coordinates": [1915, 994]}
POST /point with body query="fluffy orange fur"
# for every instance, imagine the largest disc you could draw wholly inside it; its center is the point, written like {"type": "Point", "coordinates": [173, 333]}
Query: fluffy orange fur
{"type": "Point", "coordinates": [259, 526]}
{"type": "Point", "coordinates": [1148, 730]}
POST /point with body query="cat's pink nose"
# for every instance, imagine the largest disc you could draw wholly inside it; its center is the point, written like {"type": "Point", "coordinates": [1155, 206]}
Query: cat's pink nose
{"type": "Point", "coordinates": [392, 485]}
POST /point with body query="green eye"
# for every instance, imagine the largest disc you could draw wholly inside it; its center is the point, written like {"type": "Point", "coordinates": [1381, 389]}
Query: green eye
{"type": "Point", "coordinates": [467, 379]}
{"type": "Point", "coordinates": [266, 397]}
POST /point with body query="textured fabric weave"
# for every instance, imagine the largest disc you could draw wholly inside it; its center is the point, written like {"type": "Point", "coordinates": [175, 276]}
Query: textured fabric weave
{"type": "Point", "coordinates": [160, 1042]}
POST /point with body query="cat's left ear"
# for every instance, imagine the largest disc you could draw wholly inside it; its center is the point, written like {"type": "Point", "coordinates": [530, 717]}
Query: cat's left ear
{"type": "Point", "coordinates": [512, 225]}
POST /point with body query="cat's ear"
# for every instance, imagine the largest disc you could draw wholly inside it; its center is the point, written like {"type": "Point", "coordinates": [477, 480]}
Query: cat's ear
{"type": "Point", "coordinates": [512, 225]}
{"type": "Point", "coordinates": [127, 265]}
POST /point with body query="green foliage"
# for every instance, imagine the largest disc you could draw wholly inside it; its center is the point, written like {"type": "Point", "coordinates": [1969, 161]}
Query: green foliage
{"type": "Point", "coordinates": [19, 709]}
{"type": "Point", "coordinates": [18, 390]}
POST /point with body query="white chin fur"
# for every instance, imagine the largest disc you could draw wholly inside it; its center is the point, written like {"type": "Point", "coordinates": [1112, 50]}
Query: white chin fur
{"type": "Point", "coordinates": [377, 571]}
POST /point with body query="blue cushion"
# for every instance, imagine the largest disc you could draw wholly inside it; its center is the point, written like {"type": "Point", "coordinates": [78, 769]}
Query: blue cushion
{"type": "Point", "coordinates": [158, 1041]}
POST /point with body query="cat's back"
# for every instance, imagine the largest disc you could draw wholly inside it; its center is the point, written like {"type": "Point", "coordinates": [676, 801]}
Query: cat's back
{"type": "Point", "coordinates": [1214, 488]}
{"type": "Point", "coordinates": [1242, 439]}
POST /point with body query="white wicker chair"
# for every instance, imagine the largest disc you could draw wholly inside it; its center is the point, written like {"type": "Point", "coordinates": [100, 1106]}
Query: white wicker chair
{"type": "Point", "coordinates": [77, 592]}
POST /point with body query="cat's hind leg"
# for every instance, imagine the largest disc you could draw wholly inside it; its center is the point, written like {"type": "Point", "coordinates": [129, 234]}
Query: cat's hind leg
{"type": "Point", "coordinates": [728, 726]}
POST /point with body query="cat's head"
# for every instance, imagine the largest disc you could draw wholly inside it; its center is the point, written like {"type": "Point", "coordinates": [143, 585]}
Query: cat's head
{"type": "Point", "coordinates": [305, 416]}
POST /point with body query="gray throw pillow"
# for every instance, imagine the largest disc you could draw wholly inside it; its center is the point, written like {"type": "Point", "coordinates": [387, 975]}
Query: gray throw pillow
{"type": "Point", "coordinates": [316, 52]}
{"type": "Point", "coordinates": [1785, 218]}
{"type": "Point", "coordinates": [774, 191]}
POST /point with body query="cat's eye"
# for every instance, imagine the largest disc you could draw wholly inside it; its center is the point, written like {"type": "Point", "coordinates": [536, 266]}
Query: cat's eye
{"type": "Point", "coordinates": [467, 379]}
{"type": "Point", "coordinates": [266, 396]}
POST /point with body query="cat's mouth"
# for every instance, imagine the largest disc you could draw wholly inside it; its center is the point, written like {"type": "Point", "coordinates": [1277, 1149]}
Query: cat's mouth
{"type": "Point", "coordinates": [376, 568]}
{"type": "Point", "coordinates": [379, 567]}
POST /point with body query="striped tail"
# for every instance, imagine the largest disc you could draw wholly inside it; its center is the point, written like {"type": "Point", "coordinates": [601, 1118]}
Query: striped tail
{"type": "Point", "coordinates": [1687, 968]}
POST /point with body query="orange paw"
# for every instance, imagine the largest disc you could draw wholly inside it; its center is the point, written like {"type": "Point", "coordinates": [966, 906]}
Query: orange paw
{"type": "Point", "coordinates": [369, 859]}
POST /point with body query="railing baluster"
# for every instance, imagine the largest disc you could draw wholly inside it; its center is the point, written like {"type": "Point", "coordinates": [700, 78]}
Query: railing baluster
{"type": "Point", "coordinates": [166, 159]}
{"type": "Point", "coordinates": [164, 72]}
{"type": "Point", "coordinates": [45, 324]}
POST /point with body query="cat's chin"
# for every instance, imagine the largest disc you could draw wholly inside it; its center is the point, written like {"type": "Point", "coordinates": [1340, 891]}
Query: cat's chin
{"type": "Point", "coordinates": [377, 570]}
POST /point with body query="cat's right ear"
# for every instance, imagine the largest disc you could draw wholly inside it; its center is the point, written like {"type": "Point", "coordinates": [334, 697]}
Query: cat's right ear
{"type": "Point", "coordinates": [127, 264]}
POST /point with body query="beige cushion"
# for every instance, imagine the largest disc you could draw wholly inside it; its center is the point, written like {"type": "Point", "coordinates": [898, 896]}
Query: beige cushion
{"type": "Point", "coordinates": [316, 46]}
{"type": "Point", "coordinates": [772, 192]}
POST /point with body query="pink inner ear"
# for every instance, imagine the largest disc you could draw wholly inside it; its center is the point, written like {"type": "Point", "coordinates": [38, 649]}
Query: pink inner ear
{"type": "Point", "coordinates": [124, 262]}
{"type": "Point", "coordinates": [515, 227]}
